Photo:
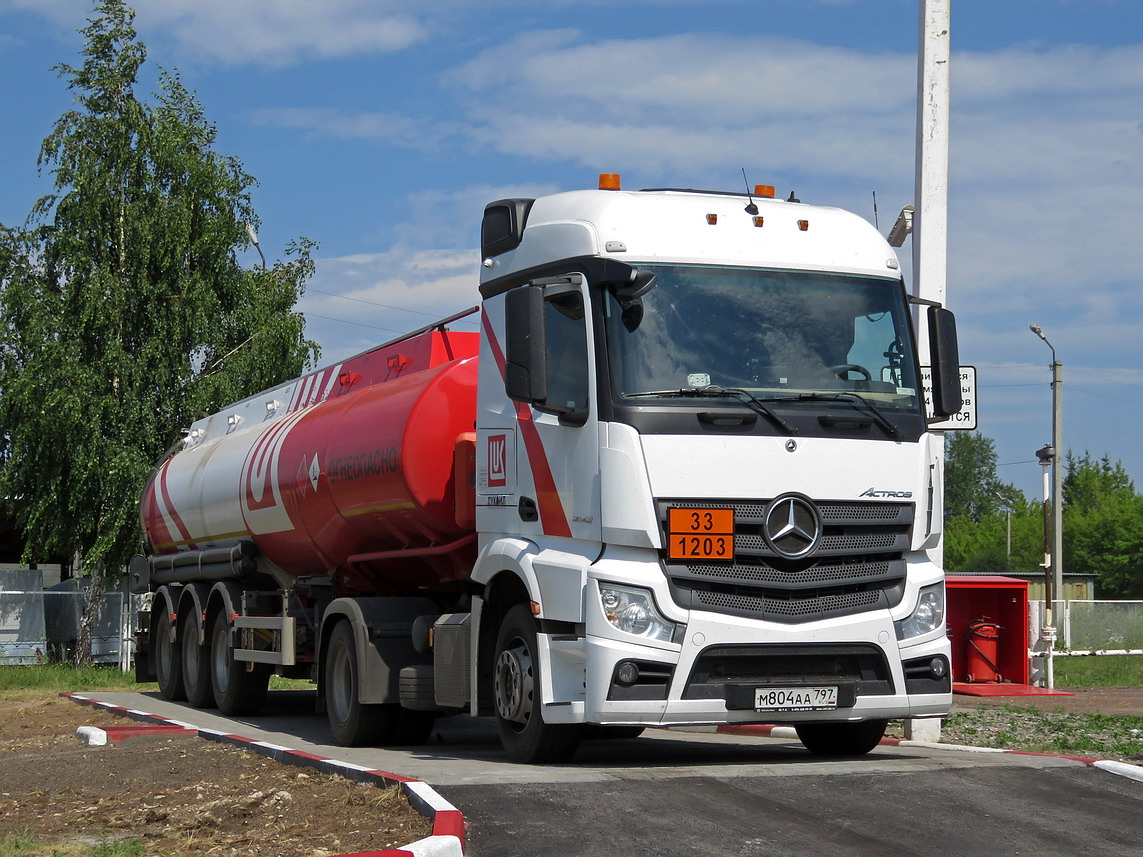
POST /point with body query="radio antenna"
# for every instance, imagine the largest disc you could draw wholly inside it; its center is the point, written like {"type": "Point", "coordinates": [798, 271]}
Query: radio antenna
{"type": "Point", "coordinates": [751, 208]}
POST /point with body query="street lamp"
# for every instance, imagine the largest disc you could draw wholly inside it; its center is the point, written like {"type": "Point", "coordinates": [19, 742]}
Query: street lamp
{"type": "Point", "coordinates": [254, 240]}
{"type": "Point", "coordinates": [1057, 471]}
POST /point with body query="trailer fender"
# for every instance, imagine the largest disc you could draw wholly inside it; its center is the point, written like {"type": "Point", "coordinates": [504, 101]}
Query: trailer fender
{"type": "Point", "coordinates": [193, 600]}
{"type": "Point", "coordinates": [171, 597]}
{"type": "Point", "coordinates": [383, 635]}
{"type": "Point", "coordinates": [227, 597]}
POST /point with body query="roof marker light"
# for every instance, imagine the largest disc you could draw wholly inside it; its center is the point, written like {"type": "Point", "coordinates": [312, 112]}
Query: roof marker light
{"type": "Point", "coordinates": [712, 219]}
{"type": "Point", "coordinates": [609, 181]}
{"type": "Point", "coordinates": [758, 220]}
{"type": "Point", "coordinates": [804, 225]}
{"type": "Point", "coordinates": [765, 190]}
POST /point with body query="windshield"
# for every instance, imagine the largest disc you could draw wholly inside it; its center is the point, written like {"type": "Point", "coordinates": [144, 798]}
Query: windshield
{"type": "Point", "coordinates": [780, 335]}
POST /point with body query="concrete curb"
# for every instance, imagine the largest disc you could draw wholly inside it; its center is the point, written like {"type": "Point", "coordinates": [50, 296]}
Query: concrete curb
{"type": "Point", "coordinates": [447, 839]}
{"type": "Point", "coordinates": [1134, 772]}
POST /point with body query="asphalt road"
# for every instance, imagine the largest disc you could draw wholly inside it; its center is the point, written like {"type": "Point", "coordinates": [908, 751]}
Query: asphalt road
{"type": "Point", "coordinates": [685, 793]}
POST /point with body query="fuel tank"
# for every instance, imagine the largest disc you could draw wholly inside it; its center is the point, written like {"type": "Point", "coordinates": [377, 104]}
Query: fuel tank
{"type": "Point", "coordinates": [347, 472]}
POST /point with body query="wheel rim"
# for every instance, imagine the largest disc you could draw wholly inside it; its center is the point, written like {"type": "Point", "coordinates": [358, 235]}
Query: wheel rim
{"type": "Point", "coordinates": [220, 657]}
{"type": "Point", "coordinates": [514, 683]}
{"type": "Point", "coordinates": [340, 684]}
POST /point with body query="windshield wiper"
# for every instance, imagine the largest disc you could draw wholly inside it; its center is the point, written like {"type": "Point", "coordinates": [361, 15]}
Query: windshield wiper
{"type": "Point", "coordinates": [847, 396]}
{"type": "Point", "coordinates": [716, 392]}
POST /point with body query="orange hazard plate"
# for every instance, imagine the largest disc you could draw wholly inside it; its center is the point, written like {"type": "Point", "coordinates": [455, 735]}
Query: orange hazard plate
{"type": "Point", "coordinates": [700, 534]}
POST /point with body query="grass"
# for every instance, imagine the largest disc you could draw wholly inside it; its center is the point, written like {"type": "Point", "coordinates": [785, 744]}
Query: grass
{"type": "Point", "coordinates": [57, 678]}
{"type": "Point", "coordinates": [1100, 671]}
{"type": "Point", "coordinates": [27, 845]}
{"type": "Point", "coordinates": [1059, 733]}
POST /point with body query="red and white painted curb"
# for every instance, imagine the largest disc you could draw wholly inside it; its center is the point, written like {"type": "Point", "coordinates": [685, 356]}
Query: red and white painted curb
{"type": "Point", "coordinates": [447, 839]}
{"type": "Point", "coordinates": [1134, 772]}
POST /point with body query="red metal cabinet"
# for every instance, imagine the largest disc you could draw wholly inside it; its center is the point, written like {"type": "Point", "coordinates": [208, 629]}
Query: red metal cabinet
{"type": "Point", "coordinates": [1000, 600]}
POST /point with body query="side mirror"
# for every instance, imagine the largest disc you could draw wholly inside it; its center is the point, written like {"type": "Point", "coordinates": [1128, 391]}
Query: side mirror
{"type": "Point", "coordinates": [944, 358]}
{"type": "Point", "coordinates": [525, 363]}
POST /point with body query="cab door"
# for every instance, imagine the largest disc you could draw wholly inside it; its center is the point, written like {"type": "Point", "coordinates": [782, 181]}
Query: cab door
{"type": "Point", "coordinates": [538, 441]}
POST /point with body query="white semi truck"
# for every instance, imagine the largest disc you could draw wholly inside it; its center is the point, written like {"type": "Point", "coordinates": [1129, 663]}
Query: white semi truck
{"type": "Point", "coordinates": [682, 475]}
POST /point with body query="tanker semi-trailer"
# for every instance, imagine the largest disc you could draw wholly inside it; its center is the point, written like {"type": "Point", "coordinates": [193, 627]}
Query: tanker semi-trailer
{"type": "Point", "coordinates": [681, 475]}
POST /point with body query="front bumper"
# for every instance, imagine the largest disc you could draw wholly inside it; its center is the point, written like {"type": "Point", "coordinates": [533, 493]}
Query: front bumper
{"type": "Point", "coordinates": [708, 675]}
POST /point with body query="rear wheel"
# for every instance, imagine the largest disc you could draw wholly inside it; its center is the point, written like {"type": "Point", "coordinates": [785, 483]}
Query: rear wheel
{"type": "Point", "coordinates": [166, 655]}
{"type": "Point", "coordinates": [353, 723]}
{"type": "Point", "coordinates": [516, 688]}
{"type": "Point", "coordinates": [195, 657]}
{"type": "Point", "coordinates": [841, 739]}
{"type": "Point", "coordinates": [239, 688]}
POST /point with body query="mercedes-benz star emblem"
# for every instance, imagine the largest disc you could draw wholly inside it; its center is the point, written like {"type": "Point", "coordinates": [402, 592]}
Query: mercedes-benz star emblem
{"type": "Point", "coordinates": [793, 526]}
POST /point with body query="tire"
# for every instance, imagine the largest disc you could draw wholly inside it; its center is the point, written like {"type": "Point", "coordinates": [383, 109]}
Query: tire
{"type": "Point", "coordinates": [196, 664]}
{"type": "Point", "coordinates": [239, 688]}
{"type": "Point", "coordinates": [167, 656]}
{"type": "Point", "coordinates": [841, 739]}
{"type": "Point", "coordinates": [353, 723]}
{"type": "Point", "coordinates": [516, 691]}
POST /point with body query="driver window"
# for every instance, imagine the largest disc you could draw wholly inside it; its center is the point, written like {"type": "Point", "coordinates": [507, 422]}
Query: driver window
{"type": "Point", "coordinates": [566, 340]}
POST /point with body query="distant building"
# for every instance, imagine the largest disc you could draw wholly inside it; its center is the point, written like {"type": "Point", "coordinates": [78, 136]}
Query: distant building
{"type": "Point", "coordinates": [1077, 586]}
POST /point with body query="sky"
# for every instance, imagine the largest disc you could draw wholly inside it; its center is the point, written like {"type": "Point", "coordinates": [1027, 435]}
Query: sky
{"type": "Point", "coordinates": [380, 128]}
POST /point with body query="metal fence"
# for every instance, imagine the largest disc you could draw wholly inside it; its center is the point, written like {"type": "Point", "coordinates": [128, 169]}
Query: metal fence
{"type": "Point", "coordinates": [42, 626]}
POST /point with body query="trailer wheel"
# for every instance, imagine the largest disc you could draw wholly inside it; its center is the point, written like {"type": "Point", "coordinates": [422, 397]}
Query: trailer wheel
{"type": "Point", "coordinates": [516, 689]}
{"type": "Point", "coordinates": [841, 739]}
{"type": "Point", "coordinates": [167, 656]}
{"type": "Point", "coordinates": [352, 722]}
{"type": "Point", "coordinates": [239, 688]}
{"type": "Point", "coordinates": [196, 661]}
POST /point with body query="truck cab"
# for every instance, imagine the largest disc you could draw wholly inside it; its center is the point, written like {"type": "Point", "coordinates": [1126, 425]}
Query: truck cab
{"type": "Point", "coordinates": [706, 490]}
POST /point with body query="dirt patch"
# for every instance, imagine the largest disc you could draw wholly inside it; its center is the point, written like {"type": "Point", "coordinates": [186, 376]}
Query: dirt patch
{"type": "Point", "coordinates": [179, 795]}
{"type": "Point", "coordinates": [1119, 701]}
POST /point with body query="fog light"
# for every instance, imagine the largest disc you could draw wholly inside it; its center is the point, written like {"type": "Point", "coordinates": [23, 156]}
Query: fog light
{"type": "Point", "coordinates": [627, 673]}
{"type": "Point", "coordinates": [938, 667]}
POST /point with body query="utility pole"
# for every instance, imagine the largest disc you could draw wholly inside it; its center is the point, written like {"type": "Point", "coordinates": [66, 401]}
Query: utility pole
{"type": "Point", "coordinates": [930, 214]}
{"type": "Point", "coordinates": [930, 217]}
{"type": "Point", "coordinates": [1057, 468]}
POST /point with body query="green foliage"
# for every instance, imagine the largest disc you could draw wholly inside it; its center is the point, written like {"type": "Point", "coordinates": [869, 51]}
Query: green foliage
{"type": "Point", "coordinates": [972, 488]}
{"type": "Point", "coordinates": [1103, 525]}
{"type": "Point", "coordinates": [123, 309]}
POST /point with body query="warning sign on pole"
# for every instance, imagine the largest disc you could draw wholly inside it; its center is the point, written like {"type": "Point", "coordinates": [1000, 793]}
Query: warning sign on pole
{"type": "Point", "coordinates": [966, 417]}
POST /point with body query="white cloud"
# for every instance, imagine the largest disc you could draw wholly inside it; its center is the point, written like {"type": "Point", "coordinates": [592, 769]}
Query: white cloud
{"type": "Point", "coordinates": [236, 32]}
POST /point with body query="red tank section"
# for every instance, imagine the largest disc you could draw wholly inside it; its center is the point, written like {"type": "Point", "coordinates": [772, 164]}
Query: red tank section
{"type": "Point", "coordinates": [359, 484]}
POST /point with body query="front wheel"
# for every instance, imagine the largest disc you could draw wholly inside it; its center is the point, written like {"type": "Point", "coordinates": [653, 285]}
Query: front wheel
{"type": "Point", "coordinates": [353, 723]}
{"type": "Point", "coordinates": [841, 739]}
{"type": "Point", "coordinates": [516, 688]}
{"type": "Point", "coordinates": [239, 688]}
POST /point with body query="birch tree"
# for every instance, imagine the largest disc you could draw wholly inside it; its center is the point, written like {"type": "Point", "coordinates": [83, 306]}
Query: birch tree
{"type": "Point", "coordinates": [123, 308]}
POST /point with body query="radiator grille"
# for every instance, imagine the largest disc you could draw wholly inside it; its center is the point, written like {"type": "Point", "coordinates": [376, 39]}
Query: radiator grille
{"type": "Point", "coordinates": [857, 566]}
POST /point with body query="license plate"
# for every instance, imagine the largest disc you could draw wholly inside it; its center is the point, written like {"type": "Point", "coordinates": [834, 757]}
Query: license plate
{"type": "Point", "coordinates": [795, 698]}
{"type": "Point", "coordinates": [700, 534]}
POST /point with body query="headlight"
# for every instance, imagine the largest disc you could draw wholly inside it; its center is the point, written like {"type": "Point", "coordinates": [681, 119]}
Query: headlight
{"type": "Point", "coordinates": [927, 616]}
{"type": "Point", "coordinates": [633, 611]}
